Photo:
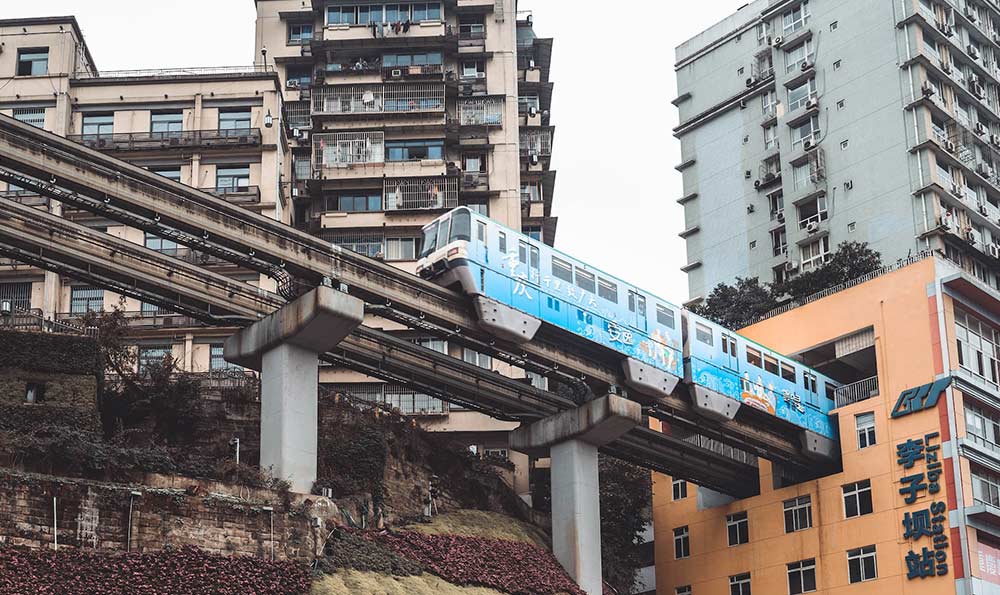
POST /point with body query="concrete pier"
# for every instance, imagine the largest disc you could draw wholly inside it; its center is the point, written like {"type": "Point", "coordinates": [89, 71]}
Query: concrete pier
{"type": "Point", "coordinates": [571, 439]}
{"type": "Point", "coordinates": [284, 347]}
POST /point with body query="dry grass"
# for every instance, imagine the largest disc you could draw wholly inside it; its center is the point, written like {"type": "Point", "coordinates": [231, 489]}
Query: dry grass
{"type": "Point", "coordinates": [353, 582]}
{"type": "Point", "coordinates": [478, 523]}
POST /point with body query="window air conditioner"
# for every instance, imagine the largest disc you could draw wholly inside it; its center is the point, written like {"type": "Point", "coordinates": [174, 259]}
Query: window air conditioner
{"type": "Point", "coordinates": [812, 227]}
{"type": "Point", "coordinates": [781, 216]}
{"type": "Point", "coordinates": [808, 143]}
{"type": "Point", "coordinates": [806, 65]}
{"type": "Point", "coordinates": [790, 266]}
{"type": "Point", "coordinates": [812, 103]}
{"type": "Point", "coordinates": [973, 52]}
{"type": "Point", "coordinates": [994, 250]}
{"type": "Point", "coordinates": [946, 67]}
{"type": "Point", "coordinates": [777, 41]}
{"type": "Point", "coordinates": [292, 84]}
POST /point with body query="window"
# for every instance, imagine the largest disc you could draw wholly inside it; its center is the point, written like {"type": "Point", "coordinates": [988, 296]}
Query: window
{"type": "Point", "coordinates": [798, 514]}
{"type": "Point", "coordinates": [771, 364]}
{"type": "Point", "coordinates": [217, 361]}
{"type": "Point", "coordinates": [703, 333]}
{"type": "Point", "coordinates": [770, 137]}
{"type": "Point", "coordinates": [978, 346]}
{"type": "Point", "coordinates": [32, 61]}
{"type": "Point", "coordinates": [531, 192]}
{"type": "Point", "coordinates": [342, 15]}
{"type": "Point", "coordinates": [738, 527]}
{"type": "Point", "coordinates": [768, 102]}
{"type": "Point", "coordinates": [166, 124]}
{"type": "Point", "coordinates": [837, 64]}
{"type": "Point", "coordinates": [481, 231]}
{"type": "Point", "coordinates": [83, 299]}
{"type": "Point", "coordinates": [171, 173]}
{"type": "Point", "coordinates": [537, 380]}
{"type": "Point", "coordinates": [475, 162]}
{"type": "Point", "coordinates": [808, 130]}
{"type": "Point", "coordinates": [982, 426]}
{"type": "Point", "coordinates": [852, 226]}
{"type": "Point", "coordinates": [472, 27]}
{"type": "Point", "coordinates": [815, 253]}
{"type": "Point", "coordinates": [34, 392]}
{"type": "Point", "coordinates": [358, 203]}
{"type": "Point", "coordinates": [680, 489]}
{"type": "Point", "coordinates": [473, 69]}
{"type": "Point", "coordinates": [841, 103]}
{"type": "Point", "coordinates": [685, 590]}
{"type": "Point", "coordinates": [729, 345]}
{"type": "Point", "coordinates": [779, 241]}
{"type": "Point", "coordinates": [153, 355]}
{"type": "Point", "coordinates": [788, 372]}
{"type": "Point", "coordinates": [301, 74]}
{"type": "Point", "coordinates": [809, 382]}
{"type": "Point", "coordinates": [797, 57]}
{"type": "Point", "coordinates": [812, 211]}
{"type": "Point", "coordinates": [834, 25]}
{"type": "Point", "coordinates": [865, 424]}
{"type": "Point", "coordinates": [155, 242]}
{"type": "Point", "coordinates": [562, 270]}
{"type": "Point", "coordinates": [739, 584]}
{"type": "Point", "coordinates": [532, 231]}
{"type": "Point", "coordinates": [299, 33]}
{"type": "Point", "coordinates": [665, 316]}
{"type": "Point", "coordinates": [861, 564]}
{"type": "Point", "coordinates": [413, 150]}
{"type": "Point", "coordinates": [423, 59]}
{"type": "Point", "coordinates": [607, 290]}
{"type": "Point", "coordinates": [754, 357]}
{"type": "Point", "coordinates": [478, 359]}
{"type": "Point", "coordinates": [857, 498]}
{"type": "Point", "coordinates": [525, 103]}
{"type": "Point", "coordinates": [17, 293]}
{"type": "Point", "coordinates": [237, 119]}
{"type": "Point", "coordinates": [795, 19]}
{"type": "Point", "coordinates": [232, 178]}
{"type": "Point", "coordinates": [586, 280]}
{"type": "Point", "coordinates": [401, 249]}
{"type": "Point", "coordinates": [801, 176]}
{"type": "Point", "coordinates": [986, 488]}
{"type": "Point", "coordinates": [799, 96]}
{"type": "Point", "coordinates": [682, 543]}
{"type": "Point", "coordinates": [30, 115]}
{"type": "Point", "coordinates": [98, 125]}
{"type": "Point", "coordinates": [502, 241]}
{"type": "Point", "coordinates": [802, 577]}
{"type": "Point", "coordinates": [844, 144]}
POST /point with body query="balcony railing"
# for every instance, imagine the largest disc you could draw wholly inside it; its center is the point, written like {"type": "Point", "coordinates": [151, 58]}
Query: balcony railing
{"type": "Point", "coordinates": [475, 181]}
{"type": "Point", "coordinates": [856, 391]}
{"type": "Point", "coordinates": [420, 193]}
{"type": "Point", "coordinates": [31, 320]}
{"type": "Point", "coordinates": [481, 111]}
{"type": "Point", "coordinates": [144, 141]}
{"type": "Point", "coordinates": [237, 194]}
{"type": "Point", "coordinates": [177, 72]}
{"type": "Point", "coordinates": [536, 142]}
{"type": "Point", "coordinates": [379, 99]}
{"type": "Point", "coordinates": [345, 149]}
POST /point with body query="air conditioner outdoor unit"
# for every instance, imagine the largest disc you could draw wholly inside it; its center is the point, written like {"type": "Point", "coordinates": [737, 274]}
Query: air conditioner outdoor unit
{"type": "Point", "coordinates": [296, 132]}
{"type": "Point", "coordinates": [946, 66]}
{"type": "Point", "coordinates": [751, 209]}
{"type": "Point", "coordinates": [533, 159]}
{"type": "Point", "coordinates": [980, 129]}
{"type": "Point", "coordinates": [983, 169]}
{"type": "Point", "coordinates": [750, 82]}
{"type": "Point", "coordinates": [970, 236]}
{"type": "Point", "coordinates": [777, 41]}
{"type": "Point", "coordinates": [532, 111]}
{"type": "Point", "coordinates": [982, 209]}
{"type": "Point", "coordinates": [790, 266]}
{"type": "Point", "coordinates": [995, 139]}
{"type": "Point", "coordinates": [756, 183]}
{"type": "Point", "coordinates": [971, 14]}
{"type": "Point", "coordinates": [812, 227]}
{"type": "Point", "coordinates": [743, 103]}
{"type": "Point", "coordinates": [812, 103]}
{"type": "Point", "coordinates": [949, 146]}
{"type": "Point", "coordinates": [973, 52]}
{"type": "Point", "coordinates": [927, 90]}
{"type": "Point", "coordinates": [806, 65]}
{"type": "Point", "coordinates": [807, 144]}
{"type": "Point", "coordinates": [956, 189]}
{"type": "Point", "coordinates": [292, 84]}
{"type": "Point", "coordinates": [994, 250]}
{"type": "Point", "coordinates": [480, 75]}
{"type": "Point", "coordinates": [781, 216]}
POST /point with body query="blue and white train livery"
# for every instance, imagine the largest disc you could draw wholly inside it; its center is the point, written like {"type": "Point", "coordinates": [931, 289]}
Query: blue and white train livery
{"type": "Point", "coordinates": [517, 283]}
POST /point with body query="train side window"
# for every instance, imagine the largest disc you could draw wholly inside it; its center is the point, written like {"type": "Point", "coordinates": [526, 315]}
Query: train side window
{"type": "Point", "coordinates": [552, 303]}
{"type": "Point", "coordinates": [728, 345]}
{"type": "Point", "coordinates": [771, 364]}
{"type": "Point", "coordinates": [831, 391]}
{"type": "Point", "coordinates": [481, 231]}
{"type": "Point", "coordinates": [585, 280]}
{"type": "Point", "coordinates": [586, 317]}
{"type": "Point", "coordinates": [809, 381]}
{"type": "Point", "coordinates": [502, 238]}
{"type": "Point", "coordinates": [607, 290]}
{"type": "Point", "coordinates": [534, 258]}
{"type": "Point", "coordinates": [788, 372]}
{"type": "Point", "coordinates": [522, 252]}
{"type": "Point", "coordinates": [562, 270]}
{"type": "Point", "coordinates": [665, 316]}
{"type": "Point", "coordinates": [703, 333]}
{"type": "Point", "coordinates": [754, 357]}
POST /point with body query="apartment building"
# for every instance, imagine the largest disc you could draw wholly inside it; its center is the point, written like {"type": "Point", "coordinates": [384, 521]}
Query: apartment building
{"type": "Point", "coordinates": [816, 122]}
{"type": "Point", "coordinates": [359, 123]}
{"type": "Point", "coordinates": [916, 506]}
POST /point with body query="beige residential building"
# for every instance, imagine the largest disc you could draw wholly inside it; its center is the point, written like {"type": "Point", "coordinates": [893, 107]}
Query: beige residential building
{"type": "Point", "coordinates": [358, 123]}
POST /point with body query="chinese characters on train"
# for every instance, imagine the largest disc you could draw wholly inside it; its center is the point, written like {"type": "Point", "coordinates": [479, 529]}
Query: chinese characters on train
{"type": "Point", "coordinates": [923, 527]}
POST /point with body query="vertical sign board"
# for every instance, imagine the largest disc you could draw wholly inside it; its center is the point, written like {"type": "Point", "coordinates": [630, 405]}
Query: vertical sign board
{"type": "Point", "coordinates": [989, 563]}
{"type": "Point", "coordinates": [919, 459]}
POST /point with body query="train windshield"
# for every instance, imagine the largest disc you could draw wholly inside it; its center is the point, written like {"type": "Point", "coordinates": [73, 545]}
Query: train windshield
{"type": "Point", "coordinates": [430, 239]}
{"type": "Point", "coordinates": [461, 226]}
{"type": "Point", "coordinates": [436, 233]}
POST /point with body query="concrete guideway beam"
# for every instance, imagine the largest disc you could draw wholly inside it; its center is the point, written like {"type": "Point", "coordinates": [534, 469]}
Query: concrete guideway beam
{"type": "Point", "coordinates": [505, 322]}
{"type": "Point", "coordinates": [285, 348]}
{"type": "Point", "coordinates": [572, 439]}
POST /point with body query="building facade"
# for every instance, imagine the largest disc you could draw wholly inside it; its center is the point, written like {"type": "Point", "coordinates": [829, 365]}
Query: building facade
{"type": "Point", "coordinates": [358, 123]}
{"type": "Point", "coordinates": [819, 122]}
{"type": "Point", "coordinates": [915, 507]}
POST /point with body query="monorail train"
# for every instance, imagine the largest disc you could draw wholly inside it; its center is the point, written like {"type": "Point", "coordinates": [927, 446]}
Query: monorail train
{"type": "Point", "coordinates": [485, 259]}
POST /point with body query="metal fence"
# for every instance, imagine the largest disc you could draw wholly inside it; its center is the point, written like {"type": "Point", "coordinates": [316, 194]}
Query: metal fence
{"type": "Point", "coordinates": [481, 111]}
{"type": "Point", "coordinates": [297, 114]}
{"type": "Point", "coordinates": [420, 193]}
{"type": "Point", "coordinates": [343, 149]}
{"type": "Point", "coordinates": [536, 142]}
{"type": "Point", "coordinates": [392, 396]}
{"type": "Point", "coordinates": [176, 72]}
{"type": "Point", "coordinates": [31, 320]}
{"type": "Point", "coordinates": [378, 99]}
{"type": "Point", "coordinates": [140, 141]}
{"type": "Point", "coordinates": [856, 391]}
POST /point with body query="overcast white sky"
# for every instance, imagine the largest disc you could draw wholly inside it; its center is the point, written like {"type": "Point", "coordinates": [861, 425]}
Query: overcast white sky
{"type": "Point", "coordinates": [614, 80]}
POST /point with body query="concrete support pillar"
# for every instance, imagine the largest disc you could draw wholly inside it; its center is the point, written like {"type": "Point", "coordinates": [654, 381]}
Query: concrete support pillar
{"type": "Point", "coordinates": [571, 439]}
{"type": "Point", "coordinates": [285, 348]}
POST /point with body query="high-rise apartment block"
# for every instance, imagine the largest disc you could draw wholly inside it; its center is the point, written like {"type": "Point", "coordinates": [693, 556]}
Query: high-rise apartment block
{"type": "Point", "coordinates": [359, 122]}
{"type": "Point", "coordinates": [807, 123]}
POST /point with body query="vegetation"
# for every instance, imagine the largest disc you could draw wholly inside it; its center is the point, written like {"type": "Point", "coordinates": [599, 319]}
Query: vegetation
{"type": "Point", "coordinates": [353, 582]}
{"type": "Point", "coordinates": [626, 498]}
{"type": "Point", "coordinates": [482, 523]}
{"type": "Point", "coordinates": [349, 550]}
{"type": "Point", "coordinates": [737, 305]}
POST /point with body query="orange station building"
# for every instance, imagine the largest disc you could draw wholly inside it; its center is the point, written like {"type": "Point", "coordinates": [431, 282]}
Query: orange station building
{"type": "Point", "coordinates": [916, 508]}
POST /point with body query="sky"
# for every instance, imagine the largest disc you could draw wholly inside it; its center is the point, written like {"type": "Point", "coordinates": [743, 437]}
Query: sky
{"type": "Point", "coordinates": [614, 151]}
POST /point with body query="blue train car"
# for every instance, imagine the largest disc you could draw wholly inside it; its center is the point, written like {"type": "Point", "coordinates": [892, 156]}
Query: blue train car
{"type": "Point", "coordinates": [487, 260]}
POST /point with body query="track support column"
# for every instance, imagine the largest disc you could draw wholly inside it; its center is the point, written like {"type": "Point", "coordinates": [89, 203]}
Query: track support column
{"type": "Point", "coordinates": [284, 347]}
{"type": "Point", "coordinates": [571, 439]}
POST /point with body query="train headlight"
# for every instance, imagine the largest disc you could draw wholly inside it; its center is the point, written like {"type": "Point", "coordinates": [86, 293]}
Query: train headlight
{"type": "Point", "coordinates": [452, 252]}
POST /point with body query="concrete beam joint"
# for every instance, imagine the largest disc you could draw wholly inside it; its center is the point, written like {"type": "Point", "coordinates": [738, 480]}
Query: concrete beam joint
{"type": "Point", "coordinates": [315, 322]}
{"type": "Point", "coordinates": [597, 422]}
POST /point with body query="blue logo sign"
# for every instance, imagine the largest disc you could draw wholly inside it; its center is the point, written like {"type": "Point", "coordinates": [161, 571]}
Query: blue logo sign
{"type": "Point", "coordinates": [923, 397]}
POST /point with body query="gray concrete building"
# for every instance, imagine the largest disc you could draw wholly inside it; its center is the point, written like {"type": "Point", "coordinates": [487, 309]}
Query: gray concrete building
{"type": "Point", "coordinates": [807, 123]}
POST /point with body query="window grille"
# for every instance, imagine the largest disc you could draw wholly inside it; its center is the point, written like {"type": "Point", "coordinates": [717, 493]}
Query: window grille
{"type": "Point", "coordinates": [536, 142]}
{"type": "Point", "coordinates": [297, 114]}
{"type": "Point", "coordinates": [18, 294]}
{"type": "Point", "coordinates": [86, 299]}
{"type": "Point", "coordinates": [343, 149]}
{"type": "Point", "coordinates": [481, 111]}
{"type": "Point", "coordinates": [400, 398]}
{"type": "Point", "coordinates": [378, 99]}
{"type": "Point", "coordinates": [30, 115]}
{"type": "Point", "coordinates": [366, 243]}
{"type": "Point", "coordinates": [420, 193]}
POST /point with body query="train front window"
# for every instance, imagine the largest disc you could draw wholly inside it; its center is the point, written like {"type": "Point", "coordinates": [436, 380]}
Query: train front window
{"type": "Point", "coordinates": [461, 225]}
{"type": "Point", "coordinates": [430, 239]}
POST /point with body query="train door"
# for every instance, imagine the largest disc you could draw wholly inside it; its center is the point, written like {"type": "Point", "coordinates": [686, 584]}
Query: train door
{"type": "Point", "coordinates": [729, 358]}
{"type": "Point", "coordinates": [637, 308]}
{"type": "Point", "coordinates": [481, 241]}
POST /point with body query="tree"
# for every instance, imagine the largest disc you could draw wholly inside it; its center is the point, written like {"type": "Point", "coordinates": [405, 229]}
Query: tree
{"type": "Point", "coordinates": [850, 261]}
{"type": "Point", "coordinates": [733, 306]}
{"type": "Point", "coordinates": [626, 497]}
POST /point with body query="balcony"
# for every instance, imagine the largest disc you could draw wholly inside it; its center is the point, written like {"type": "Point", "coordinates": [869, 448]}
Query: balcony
{"type": "Point", "coordinates": [484, 5]}
{"type": "Point", "coordinates": [238, 195]}
{"type": "Point", "coordinates": [475, 181]}
{"type": "Point", "coordinates": [175, 73]}
{"type": "Point", "coordinates": [415, 34]}
{"type": "Point", "coordinates": [421, 193]}
{"type": "Point", "coordinates": [390, 98]}
{"type": "Point", "coordinates": [158, 141]}
{"type": "Point", "coordinates": [482, 111]}
{"type": "Point", "coordinates": [856, 391]}
{"type": "Point", "coordinates": [536, 143]}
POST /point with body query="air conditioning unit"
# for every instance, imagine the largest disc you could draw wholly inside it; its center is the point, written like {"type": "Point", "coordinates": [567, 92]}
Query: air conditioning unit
{"type": "Point", "coordinates": [970, 236]}
{"type": "Point", "coordinates": [533, 159]}
{"type": "Point", "coordinates": [296, 132]}
{"type": "Point", "coordinates": [396, 72]}
{"type": "Point", "coordinates": [756, 183]}
{"type": "Point", "coordinates": [980, 128]}
{"type": "Point", "coordinates": [983, 169]}
{"type": "Point", "coordinates": [781, 216]}
{"type": "Point", "coordinates": [970, 14]}
{"type": "Point", "coordinates": [927, 90]}
{"type": "Point", "coordinates": [743, 103]}
{"type": "Point", "coordinates": [751, 209]}
{"type": "Point", "coordinates": [946, 66]}
{"type": "Point", "coordinates": [470, 180]}
{"type": "Point", "coordinates": [292, 84]}
{"type": "Point", "coordinates": [982, 209]}
{"type": "Point", "coordinates": [812, 103]}
{"type": "Point", "coordinates": [806, 65]}
{"type": "Point", "coordinates": [480, 75]}
{"type": "Point", "coordinates": [950, 146]}
{"type": "Point", "coordinates": [791, 266]}
{"type": "Point", "coordinates": [956, 189]}
{"type": "Point", "coordinates": [973, 52]}
{"type": "Point", "coordinates": [532, 111]}
{"type": "Point", "coordinates": [994, 250]}
{"type": "Point", "coordinates": [812, 227]}
{"type": "Point", "coordinates": [808, 143]}
{"type": "Point", "coordinates": [750, 81]}
{"type": "Point", "coordinates": [995, 139]}
{"type": "Point", "coordinates": [777, 41]}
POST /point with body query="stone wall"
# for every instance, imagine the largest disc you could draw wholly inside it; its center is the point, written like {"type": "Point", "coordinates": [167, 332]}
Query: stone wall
{"type": "Point", "coordinates": [168, 513]}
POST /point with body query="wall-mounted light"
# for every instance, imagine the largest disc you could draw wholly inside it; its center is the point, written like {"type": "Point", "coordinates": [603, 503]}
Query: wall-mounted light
{"type": "Point", "coordinates": [268, 119]}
